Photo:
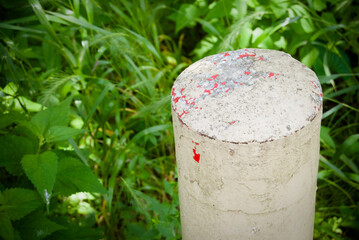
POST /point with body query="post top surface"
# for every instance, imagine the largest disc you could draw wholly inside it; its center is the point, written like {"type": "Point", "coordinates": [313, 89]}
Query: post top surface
{"type": "Point", "coordinates": [247, 95]}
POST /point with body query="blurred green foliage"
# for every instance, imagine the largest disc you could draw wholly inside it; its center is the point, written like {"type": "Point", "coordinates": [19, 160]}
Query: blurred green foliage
{"type": "Point", "coordinates": [113, 63]}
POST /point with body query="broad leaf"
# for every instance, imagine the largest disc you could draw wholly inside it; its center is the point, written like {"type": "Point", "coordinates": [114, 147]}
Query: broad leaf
{"type": "Point", "coordinates": [37, 226]}
{"type": "Point", "coordinates": [74, 232]}
{"type": "Point", "coordinates": [18, 202]}
{"type": "Point", "coordinates": [186, 16]}
{"type": "Point", "coordinates": [6, 229]}
{"type": "Point", "coordinates": [13, 149]}
{"type": "Point", "coordinates": [41, 170]}
{"type": "Point", "coordinates": [10, 89]}
{"type": "Point", "coordinates": [60, 133]}
{"type": "Point", "coordinates": [10, 118]}
{"type": "Point", "coordinates": [53, 116]}
{"type": "Point", "coordinates": [73, 176]}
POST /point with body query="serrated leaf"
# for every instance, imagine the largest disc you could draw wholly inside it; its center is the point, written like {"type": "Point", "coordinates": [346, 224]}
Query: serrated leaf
{"type": "Point", "coordinates": [37, 226]}
{"type": "Point", "coordinates": [60, 133]}
{"type": "Point", "coordinates": [53, 116]}
{"type": "Point", "coordinates": [73, 176]}
{"type": "Point", "coordinates": [6, 229]}
{"type": "Point", "coordinates": [13, 148]}
{"type": "Point", "coordinates": [18, 202]}
{"type": "Point", "coordinates": [41, 170]}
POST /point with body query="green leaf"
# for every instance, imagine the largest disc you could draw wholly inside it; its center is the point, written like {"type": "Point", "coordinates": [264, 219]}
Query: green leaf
{"type": "Point", "coordinates": [28, 104]}
{"type": "Point", "coordinates": [13, 149]}
{"type": "Point", "coordinates": [10, 118]}
{"type": "Point", "coordinates": [6, 229]}
{"type": "Point", "coordinates": [309, 55]}
{"type": "Point", "coordinates": [18, 202]}
{"type": "Point", "coordinates": [325, 137]}
{"type": "Point", "coordinates": [10, 89]}
{"type": "Point", "coordinates": [73, 176]}
{"type": "Point", "coordinates": [41, 170]}
{"type": "Point", "coordinates": [53, 116]}
{"type": "Point", "coordinates": [168, 187]}
{"type": "Point", "coordinates": [37, 226]}
{"type": "Point", "coordinates": [221, 8]}
{"type": "Point", "coordinates": [60, 133]}
{"type": "Point", "coordinates": [186, 16]}
{"type": "Point", "coordinates": [319, 5]}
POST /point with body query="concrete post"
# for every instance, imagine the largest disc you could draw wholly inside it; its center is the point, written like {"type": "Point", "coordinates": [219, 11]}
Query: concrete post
{"type": "Point", "coordinates": [246, 127]}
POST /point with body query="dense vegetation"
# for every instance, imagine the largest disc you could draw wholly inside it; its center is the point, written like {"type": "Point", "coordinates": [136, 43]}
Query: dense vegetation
{"type": "Point", "coordinates": [85, 107]}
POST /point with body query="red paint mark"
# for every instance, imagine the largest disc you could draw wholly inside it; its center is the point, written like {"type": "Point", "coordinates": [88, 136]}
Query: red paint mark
{"type": "Point", "coordinates": [182, 90]}
{"type": "Point", "coordinates": [214, 63]}
{"type": "Point", "coordinates": [183, 113]}
{"type": "Point", "coordinates": [214, 76]}
{"type": "Point", "coordinates": [226, 54]}
{"type": "Point", "coordinates": [195, 143]}
{"type": "Point", "coordinates": [176, 99]}
{"type": "Point", "coordinates": [321, 94]}
{"type": "Point", "coordinates": [196, 108]}
{"type": "Point", "coordinates": [196, 156]}
{"type": "Point", "coordinates": [247, 73]}
{"type": "Point", "coordinates": [184, 96]}
{"type": "Point", "coordinates": [173, 92]}
{"type": "Point", "coordinates": [228, 89]}
{"type": "Point", "coordinates": [260, 58]}
{"type": "Point", "coordinates": [210, 90]}
{"type": "Point", "coordinates": [241, 83]}
{"type": "Point", "coordinates": [224, 60]}
{"type": "Point", "coordinates": [271, 74]}
{"type": "Point", "coordinates": [245, 55]}
{"type": "Point", "coordinates": [198, 86]}
{"type": "Point", "coordinates": [232, 122]}
{"type": "Point", "coordinates": [223, 83]}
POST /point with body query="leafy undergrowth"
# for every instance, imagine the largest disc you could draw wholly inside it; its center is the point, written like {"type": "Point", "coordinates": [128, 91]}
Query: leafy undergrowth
{"type": "Point", "coordinates": [85, 107]}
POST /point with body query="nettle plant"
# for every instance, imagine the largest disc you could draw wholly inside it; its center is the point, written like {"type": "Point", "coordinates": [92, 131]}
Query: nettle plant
{"type": "Point", "coordinates": [40, 164]}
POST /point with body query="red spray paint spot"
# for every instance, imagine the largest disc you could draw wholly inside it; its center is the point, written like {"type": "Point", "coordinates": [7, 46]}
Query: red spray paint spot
{"type": "Point", "coordinates": [196, 156]}
{"type": "Point", "coordinates": [247, 73]}
{"type": "Point", "coordinates": [173, 92]}
{"type": "Point", "coordinates": [214, 63]}
{"type": "Point", "coordinates": [183, 113]}
{"type": "Point", "coordinates": [223, 83]}
{"type": "Point", "coordinates": [271, 74]}
{"type": "Point", "coordinates": [176, 99]}
{"type": "Point", "coordinates": [210, 90]}
{"type": "Point", "coordinates": [226, 54]}
{"type": "Point", "coordinates": [260, 59]}
{"type": "Point", "coordinates": [246, 55]}
{"type": "Point", "coordinates": [214, 76]}
{"type": "Point", "coordinates": [232, 122]}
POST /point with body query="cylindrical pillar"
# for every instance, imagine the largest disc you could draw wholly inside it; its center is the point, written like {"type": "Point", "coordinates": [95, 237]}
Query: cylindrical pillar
{"type": "Point", "coordinates": [246, 127]}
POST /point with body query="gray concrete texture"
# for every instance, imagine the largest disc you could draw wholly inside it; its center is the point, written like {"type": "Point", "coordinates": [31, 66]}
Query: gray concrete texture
{"type": "Point", "coordinates": [247, 126]}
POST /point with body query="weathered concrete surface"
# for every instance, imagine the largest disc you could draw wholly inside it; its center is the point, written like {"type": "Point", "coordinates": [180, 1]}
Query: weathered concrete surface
{"type": "Point", "coordinates": [246, 127]}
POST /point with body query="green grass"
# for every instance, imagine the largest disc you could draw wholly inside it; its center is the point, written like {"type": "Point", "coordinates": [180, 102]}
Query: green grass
{"type": "Point", "coordinates": [118, 61]}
